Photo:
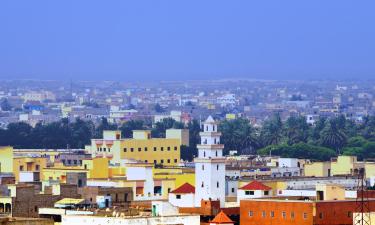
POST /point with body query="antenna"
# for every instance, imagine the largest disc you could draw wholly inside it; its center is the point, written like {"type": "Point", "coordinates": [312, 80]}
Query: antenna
{"type": "Point", "coordinates": [362, 211]}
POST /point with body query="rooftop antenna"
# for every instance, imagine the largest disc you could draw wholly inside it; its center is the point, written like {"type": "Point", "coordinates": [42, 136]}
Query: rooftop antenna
{"type": "Point", "coordinates": [362, 216]}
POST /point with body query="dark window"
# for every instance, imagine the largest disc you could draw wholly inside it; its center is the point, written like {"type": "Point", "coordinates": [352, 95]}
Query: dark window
{"type": "Point", "coordinates": [37, 167]}
{"type": "Point", "coordinates": [217, 184]}
{"type": "Point", "coordinates": [266, 192]}
{"type": "Point", "coordinates": [217, 167]}
{"type": "Point", "coordinates": [272, 214]}
{"type": "Point", "coordinates": [155, 162]}
{"type": "Point", "coordinates": [161, 148]}
{"type": "Point", "coordinates": [175, 148]}
{"type": "Point", "coordinates": [145, 149]}
{"type": "Point", "coordinates": [154, 149]}
{"type": "Point", "coordinates": [132, 149]}
{"type": "Point", "coordinates": [125, 150]}
{"type": "Point", "coordinates": [169, 161]}
{"type": "Point", "coordinates": [21, 168]}
{"type": "Point", "coordinates": [139, 149]}
{"type": "Point", "coordinates": [161, 161]}
{"type": "Point", "coordinates": [168, 148]}
{"type": "Point", "coordinates": [175, 160]}
{"type": "Point", "coordinates": [178, 196]}
{"type": "Point", "coordinates": [232, 190]}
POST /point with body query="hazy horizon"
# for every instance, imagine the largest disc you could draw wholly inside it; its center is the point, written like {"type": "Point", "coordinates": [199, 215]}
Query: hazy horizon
{"type": "Point", "coordinates": [187, 40]}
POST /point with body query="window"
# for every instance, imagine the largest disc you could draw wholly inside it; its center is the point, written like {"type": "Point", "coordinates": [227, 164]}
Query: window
{"type": "Point", "coordinates": [146, 161]}
{"type": "Point", "coordinates": [305, 216]}
{"type": "Point", "coordinates": [283, 214]}
{"type": "Point", "coordinates": [161, 148]}
{"type": "Point", "coordinates": [132, 149]}
{"type": "Point", "coordinates": [109, 149]}
{"type": "Point", "coordinates": [292, 215]}
{"type": "Point", "coordinates": [169, 161]}
{"type": "Point", "coordinates": [251, 213]}
{"type": "Point", "coordinates": [266, 192]}
{"type": "Point", "coordinates": [217, 167]}
{"type": "Point", "coordinates": [155, 162]}
{"type": "Point", "coordinates": [145, 149]}
{"type": "Point", "coordinates": [175, 160]}
{"type": "Point", "coordinates": [321, 215]}
{"type": "Point", "coordinates": [249, 192]}
{"type": "Point", "coordinates": [202, 167]}
{"type": "Point", "coordinates": [139, 149]}
{"type": "Point", "coordinates": [125, 149]}
{"type": "Point", "coordinates": [104, 149]}
{"type": "Point", "coordinates": [350, 214]}
{"type": "Point", "coordinates": [75, 162]}
{"type": "Point", "coordinates": [216, 153]}
{"type": "Point", "coordinates": [69, 161]}
{"type": "Point", "coordinates": [162, 161]}
{"type": "Point", "coordinates": [178, 196]}
{"type": "Point", "coordinates": [175, 148]}
{"type": "Point", "coordinates": [21, 168]}
{"type": "Point", "coordinates": [154, 149]}
{"type": "Point", "coordinates": [272, 214]}
{"type": "Point", "coordinates": [169, 190]}
{"type": "Point", "coordinates": [168, 148]}
{"type": "Point", "coordinates": [232, 190]}
{"type": "Point", "coordinates": [37, 167]}
{"type": "Point", "coordinates": [217, 184]}
{"type": "Point", "coordinates": [264, 214]}
{"type": "Point", "coordinates": [202, 184]}
{"type": "Point", "coordinates": [204, 154]}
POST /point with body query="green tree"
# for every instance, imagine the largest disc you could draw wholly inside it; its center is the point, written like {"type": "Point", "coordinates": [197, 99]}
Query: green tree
{"type": "Point", "coordinates": [332, 136]}
{"type": "Point", "coordinates": [296, 130]}
{"type": "Point", "coordinates": [272, 131]}
{"type": "Point", "coordinates": [128, 127]}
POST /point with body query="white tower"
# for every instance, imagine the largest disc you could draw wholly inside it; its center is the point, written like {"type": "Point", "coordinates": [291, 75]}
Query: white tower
{"type": "Point", "coordinates": [210, 165]}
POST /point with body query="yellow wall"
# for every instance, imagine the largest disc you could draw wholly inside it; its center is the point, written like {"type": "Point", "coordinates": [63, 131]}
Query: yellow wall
{"type": "Point", "coordinates": [98, 167]}
{"type": "Point", "coordinates": [317, 169]}
{"type": "Point", "coordinates": [370, 170]}
{"type": "Point", "coordinates": [121, 149]}
{"type": "Point", "coordinates": [28, 164]}
{"type": "Point", "coordinates": [143, 150]}
{"type": "Point", "coordinates": [6, 159]}
{"type": "Point", "coordinates": [179, 178]}
{"type": "Point", "coordinates": [344, 165]}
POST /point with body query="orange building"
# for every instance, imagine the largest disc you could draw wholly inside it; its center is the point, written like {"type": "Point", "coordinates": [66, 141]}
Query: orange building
{"type": "Point", "coordinates": [297, 212]}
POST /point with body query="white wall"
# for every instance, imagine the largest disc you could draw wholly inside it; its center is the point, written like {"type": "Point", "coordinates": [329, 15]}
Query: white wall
{"type": "Point", "coordinates": [164, 208]}
{"type": "Point", "coordinates": [187, 200]}
{"type": "Point", "coordinates": [288, 162]}
{"type": "Point", "coordinates": [165, 220]}
{"type": "Point", "coordinates": [241, 194]}
{"type": "Point", "coordinates": [142, 173]}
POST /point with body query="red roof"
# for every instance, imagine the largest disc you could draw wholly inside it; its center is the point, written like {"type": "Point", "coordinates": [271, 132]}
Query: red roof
{"type": "Point", "coordinates": [186, 188]}
{"type": "Point", "coordinates": [221, 218]}
{"type": "Point", "coordinates": [256, 185]}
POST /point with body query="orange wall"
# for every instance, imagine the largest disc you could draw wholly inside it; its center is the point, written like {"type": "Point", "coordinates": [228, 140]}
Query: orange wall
{"type": "Point", "coordinates": [257, 207]}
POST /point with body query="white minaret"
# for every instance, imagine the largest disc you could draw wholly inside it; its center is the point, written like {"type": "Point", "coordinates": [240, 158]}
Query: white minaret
{"type": "Point", "coordinates": [210, 165]}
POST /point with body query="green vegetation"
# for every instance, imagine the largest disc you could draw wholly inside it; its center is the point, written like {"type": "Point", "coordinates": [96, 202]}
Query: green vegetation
{"type": "Point", "coordinates": [292, 138]}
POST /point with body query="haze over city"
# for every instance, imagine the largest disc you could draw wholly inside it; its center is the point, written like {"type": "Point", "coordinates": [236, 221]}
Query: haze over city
{"type": "Point", "coordinates": [174, 112]}
{"type": "Point", "coordinates": [176, 40]}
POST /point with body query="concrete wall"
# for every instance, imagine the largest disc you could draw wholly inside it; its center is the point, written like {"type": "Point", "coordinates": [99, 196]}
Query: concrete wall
{"type": "Point", "coordinates": [186, 200]}
{"type": "Point", "coordinates": [165, 220]}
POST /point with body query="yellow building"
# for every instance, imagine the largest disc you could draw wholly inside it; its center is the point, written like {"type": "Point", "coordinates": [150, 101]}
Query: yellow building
{"type": "Point", "coordinates": [53, 173]}
{"type": "Point", "coordinates": [97, 167]}
{"type": "Point", "coordinates": [6, 159]}
{"type": "Point", "coordinates": [317, 169]}
{"type": "Point", "coordinates": [142, 147]}
{"type": "Point", "coordinates": [369, 169]}
{"type": "Point", "coordinates": [28, 164]}
{"type": "Point", "coordinates": [344, 165]}
{"type": "Point", "coordinates": [179, 175]}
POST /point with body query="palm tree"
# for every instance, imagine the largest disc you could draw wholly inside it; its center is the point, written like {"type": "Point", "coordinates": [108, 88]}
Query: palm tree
{"type": "Point", "coordinates": [333, 137]}
{"type": "Point", "coordinates": [272, 131]}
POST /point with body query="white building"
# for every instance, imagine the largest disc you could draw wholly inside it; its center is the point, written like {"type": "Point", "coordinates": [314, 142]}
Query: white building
{"type": "Point", "coordinates": [183, 196]}
{"type": "Point", "coordinates": [210, 166]}
{"type": "Point", "coordinates": [286, 167]}
{"type": "Point", "coordinates": [254, 189]}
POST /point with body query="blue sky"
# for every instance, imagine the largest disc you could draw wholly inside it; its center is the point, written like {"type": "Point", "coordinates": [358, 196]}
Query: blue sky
{"type": "Point", "coordinates": [192, 39]}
